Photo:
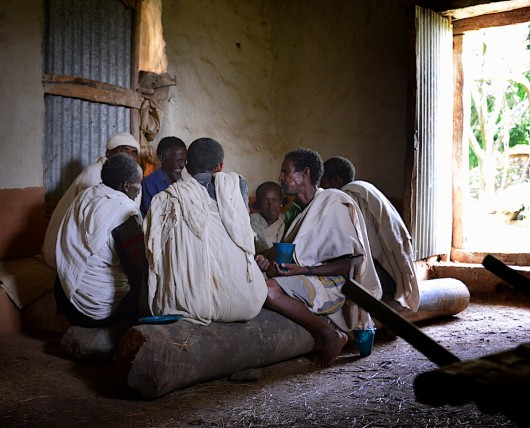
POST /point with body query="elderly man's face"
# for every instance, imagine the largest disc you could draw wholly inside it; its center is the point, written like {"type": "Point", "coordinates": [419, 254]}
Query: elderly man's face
{"type": "Point", "coordinates": [123, 149]}
{"type": "Point", "coordinates": [292, 181]}
{"type": "Point", "coordinates": [132, 188]}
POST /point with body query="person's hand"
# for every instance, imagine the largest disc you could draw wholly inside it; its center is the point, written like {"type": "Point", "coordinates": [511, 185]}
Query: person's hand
{"type": "Point", "coordinates": [289, 269]}
{"type": "Point", "coordinates": [262, 262]}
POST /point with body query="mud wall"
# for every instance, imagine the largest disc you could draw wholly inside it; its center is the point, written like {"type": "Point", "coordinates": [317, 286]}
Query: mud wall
{"type": "Point", "coordinates": [261, 76]}
{"type": "Point", "coordinates": [265, 77]}
{"type": "Point", "coordinates": [22, 213]}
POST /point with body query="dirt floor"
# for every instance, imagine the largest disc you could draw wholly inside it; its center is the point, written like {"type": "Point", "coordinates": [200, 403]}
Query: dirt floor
{"type": "Point", "coordinates": [39, 386]}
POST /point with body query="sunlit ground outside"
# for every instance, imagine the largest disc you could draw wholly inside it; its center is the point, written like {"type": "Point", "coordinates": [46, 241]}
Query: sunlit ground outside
{"type": "Point", "coordinates": [496, 232]}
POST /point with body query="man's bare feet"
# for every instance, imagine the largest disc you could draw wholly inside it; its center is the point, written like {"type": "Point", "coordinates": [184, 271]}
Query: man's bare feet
{"type": "Point", "coordinates": [331, 347]}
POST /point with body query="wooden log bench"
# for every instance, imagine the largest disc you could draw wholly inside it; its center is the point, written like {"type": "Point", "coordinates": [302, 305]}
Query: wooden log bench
{"type": "Point", "coordinates": [156, 359]}
{"type": "Point", "coordinates": [92, 344]}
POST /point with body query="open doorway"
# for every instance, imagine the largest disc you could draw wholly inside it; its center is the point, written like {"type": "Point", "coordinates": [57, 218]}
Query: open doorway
{"type": "Point", "coordinates": [489, 203]}
{"type": "Point", "coordinates": [435, 210]}
{"type": "Point", "coordinates": [496, 137]}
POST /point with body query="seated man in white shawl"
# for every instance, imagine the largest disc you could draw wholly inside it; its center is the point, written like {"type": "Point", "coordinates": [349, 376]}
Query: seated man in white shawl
{"type": "Point", "coordinates": [269, 222]}
{"type": "Point", "coordinates": [390, 241]}
{"type": "Point", "coordinates": [123, 142]}
{"type": "Point", "coordinates": [93, 288]}
{"type": "Point", "coordinates": [331, 248]}
{"type": "Point", "coordinates": [200, 246]}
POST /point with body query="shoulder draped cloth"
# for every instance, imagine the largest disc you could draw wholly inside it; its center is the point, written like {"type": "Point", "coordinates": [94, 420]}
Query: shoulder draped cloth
{"type": "Point", "coordinates": [90, 176]}
{"type": "Point", "coordinates": [201, 253]}
{"type": "Point", "coordinates": [267, 234]}
{"type": "Point", "coordinates": [85, 231]}
{"type": "Point", "coordinates": [390, 241]}
{"type": "Point", "coordinates": [331, 226]}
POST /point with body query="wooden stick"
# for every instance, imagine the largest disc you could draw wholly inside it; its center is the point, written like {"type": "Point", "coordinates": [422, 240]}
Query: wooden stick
{"type": "Point", "coordinates": [408, 331]}
{"type": "Point", "coordinates": [507, 274]}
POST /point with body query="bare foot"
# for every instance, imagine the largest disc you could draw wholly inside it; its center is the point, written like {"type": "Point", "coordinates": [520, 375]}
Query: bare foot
{"type": "Point", "coordinates": [331, 347]}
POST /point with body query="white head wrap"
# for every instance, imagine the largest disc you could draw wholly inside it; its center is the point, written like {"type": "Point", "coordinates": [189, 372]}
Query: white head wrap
{"type": "Point", "coordinates": [122, 139]}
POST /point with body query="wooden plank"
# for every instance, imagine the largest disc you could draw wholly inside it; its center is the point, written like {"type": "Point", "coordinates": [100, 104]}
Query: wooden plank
{"type": "Point", "coordinates": [517, 16]}
{"type": "Point", "coordinates": [135, 60]}
{"type": "Point", "coordinates": [409, 196]}
{"type": "Point", "coordinates": [90, 90]}
{"type": "Point", "coordinates": [466, 256]}
{"type": "Point", "coordinates": [496, 383]}
{"type": "Point", "coordinates": [460, 145]}
{"type": "Point", "coordinates": [408, 331]}
{"type": "Point", "coordinates": [511, 276]}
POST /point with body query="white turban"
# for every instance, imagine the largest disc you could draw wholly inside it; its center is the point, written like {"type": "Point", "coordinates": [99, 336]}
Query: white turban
{"type": "Point", "coordinates": [122, 139]}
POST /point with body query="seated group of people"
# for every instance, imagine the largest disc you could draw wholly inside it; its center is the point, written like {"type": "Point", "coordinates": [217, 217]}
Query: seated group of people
{"type": "Point", "coordinates": [191, 248]}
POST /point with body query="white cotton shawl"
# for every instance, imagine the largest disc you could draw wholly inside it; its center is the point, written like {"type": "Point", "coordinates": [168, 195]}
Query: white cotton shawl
{"type": "Point", "coordinates": [267, 234]}
{"type": "Point", "coordinates": [332, 226]}
{"type": "Point", "coordinates": [87, 265]}
{"type": "Point", "coordinates": [90, 176]}
{"type": "Point", "coordinates": [390, 241]}
{"type": "Point", "coordinates": [201, 253]}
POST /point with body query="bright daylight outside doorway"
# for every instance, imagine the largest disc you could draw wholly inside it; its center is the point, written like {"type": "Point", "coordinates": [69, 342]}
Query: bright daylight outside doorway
{"type": "Point", "coordinates": [497, 82]}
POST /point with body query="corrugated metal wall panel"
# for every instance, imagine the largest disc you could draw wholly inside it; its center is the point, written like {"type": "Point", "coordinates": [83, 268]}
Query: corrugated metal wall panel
{"type": "Point", "coordinates": [89, 39]}
{"type": "Point", "coordinates": [432, 221]}
{"type": "Point", "coordinates": [76, 133]}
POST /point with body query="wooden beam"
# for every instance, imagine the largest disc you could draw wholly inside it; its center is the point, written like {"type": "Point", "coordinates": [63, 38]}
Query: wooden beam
{"type": "Point", "coordinates": [445, 5]}
{"type": "Point", "coordinates": [496, 383]}
{"type": "Point", "coordinates": [462, 9]}
{"type": "Point", "coordinates": [516, 16]}
{"type": "Point", "coordinates": [90, 90]}
{"type": "Point", "coordinates": [409, 195]}
{"type": "Point", "coordinates": [460, 147]}
{"type": "Point", "coordinates": [135, 61]}
{"type": "Point", "coordinates": [402, 327]}
{"type": "Point", "coordinates": [157, 359]}
{"type": "Point", "coordinates": [506, 273]}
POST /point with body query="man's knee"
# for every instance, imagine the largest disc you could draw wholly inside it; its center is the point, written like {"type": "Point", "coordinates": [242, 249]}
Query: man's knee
{"type": "Point", "coordinates": [273, 290]}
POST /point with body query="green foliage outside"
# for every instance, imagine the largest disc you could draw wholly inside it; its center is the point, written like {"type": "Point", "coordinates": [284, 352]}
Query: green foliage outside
{"type": "Point", "coordinates": [499, 83]}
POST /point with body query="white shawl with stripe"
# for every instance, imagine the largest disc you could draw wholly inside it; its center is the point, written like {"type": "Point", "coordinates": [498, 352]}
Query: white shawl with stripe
{"type": "Point", "coordinates": [332, 226]}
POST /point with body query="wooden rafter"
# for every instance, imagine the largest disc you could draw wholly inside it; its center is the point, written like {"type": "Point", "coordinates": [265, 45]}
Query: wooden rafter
{"type": "Point", "coordinates": [91, 90]}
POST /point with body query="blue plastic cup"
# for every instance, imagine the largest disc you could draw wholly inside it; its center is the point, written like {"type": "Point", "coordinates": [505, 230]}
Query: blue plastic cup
{"type": "Point", "coordinates": [365, 341]}
{"type": "Point", "coordinates": [283, 253]}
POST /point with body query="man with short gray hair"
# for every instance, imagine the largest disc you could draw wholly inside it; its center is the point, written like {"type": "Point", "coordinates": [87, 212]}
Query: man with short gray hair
{"type": "Point", "coordinates": [331, 249]}
{"type": "Point", "coordinates": [93, 288]}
